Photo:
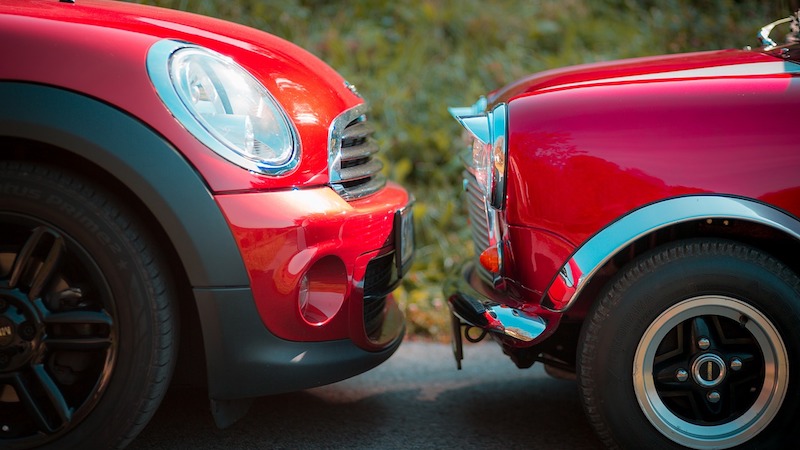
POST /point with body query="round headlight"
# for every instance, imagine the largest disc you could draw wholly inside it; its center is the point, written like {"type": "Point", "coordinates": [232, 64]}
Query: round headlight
{"type": "Point", "coordinates": [224, 106]}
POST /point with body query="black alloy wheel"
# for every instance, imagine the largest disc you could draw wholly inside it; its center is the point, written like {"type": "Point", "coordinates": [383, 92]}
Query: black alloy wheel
{"type": "Point", "coordinates": [86, 320]}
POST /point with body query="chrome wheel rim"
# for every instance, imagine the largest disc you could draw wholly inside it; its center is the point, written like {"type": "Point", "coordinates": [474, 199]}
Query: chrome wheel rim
{"type": "Point", "coordinates": [710, 372]}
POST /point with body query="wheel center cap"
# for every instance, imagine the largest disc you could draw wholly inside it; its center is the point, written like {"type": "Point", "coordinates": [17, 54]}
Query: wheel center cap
{"type": "Point", "coordinates": [708, 370]}
{"type": "Point", "coordinates": [6, 332]}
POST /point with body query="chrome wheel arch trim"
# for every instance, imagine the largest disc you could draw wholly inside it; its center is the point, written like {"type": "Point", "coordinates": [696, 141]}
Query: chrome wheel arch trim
{"type": "Point", "coordinates": [587, 260]}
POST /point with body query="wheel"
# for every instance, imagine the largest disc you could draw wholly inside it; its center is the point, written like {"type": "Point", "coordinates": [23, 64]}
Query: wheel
{"type": "Point", "coordinates": [86, 323]}
{"type": "Point", "coordinates": [694, 345]}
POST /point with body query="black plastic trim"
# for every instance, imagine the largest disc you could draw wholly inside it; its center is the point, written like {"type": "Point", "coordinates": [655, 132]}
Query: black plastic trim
{"type": "Point", "coordinates": [245, 360]}
{"type": "Point", "coordinates": [139, 158]}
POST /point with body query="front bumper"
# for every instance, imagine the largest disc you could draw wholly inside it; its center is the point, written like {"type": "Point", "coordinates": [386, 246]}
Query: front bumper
{"type": "Point", "coordinates": [474, 305]}
{"type": "Point", "coordinates": [319, 307]}
{"type": "Point", "coordinates": [320, 268]}
{"type": "Point", "coordinates": [246, 360]}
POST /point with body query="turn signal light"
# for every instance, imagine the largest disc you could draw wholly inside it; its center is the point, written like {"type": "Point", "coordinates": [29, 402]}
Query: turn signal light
{"type": "Point", "coordinates": [490, 260]}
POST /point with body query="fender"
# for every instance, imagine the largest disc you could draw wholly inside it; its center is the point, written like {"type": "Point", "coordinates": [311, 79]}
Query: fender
{"type": "Point", "coordinates": [594, 253]}
{"type": "Point", "coordinates": [139, 158]}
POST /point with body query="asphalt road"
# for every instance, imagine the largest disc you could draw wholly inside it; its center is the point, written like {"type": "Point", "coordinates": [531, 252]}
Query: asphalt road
{"type": "Point", "coordinates": [417, 399]}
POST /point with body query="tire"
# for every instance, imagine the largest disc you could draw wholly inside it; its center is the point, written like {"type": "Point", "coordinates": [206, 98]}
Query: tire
{"type": "Point", "coordinates": [694, 344]}
{"type": "Point", "coordinates": [87, 327]}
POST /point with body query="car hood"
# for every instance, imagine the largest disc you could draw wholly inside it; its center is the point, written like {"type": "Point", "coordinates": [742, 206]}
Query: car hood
{"type": "Point", "coordinates": [99, 48]}
{"type": "Point", "coordinates": [719, 63]}
{"type": "Point", "coordinates": [271, 58]}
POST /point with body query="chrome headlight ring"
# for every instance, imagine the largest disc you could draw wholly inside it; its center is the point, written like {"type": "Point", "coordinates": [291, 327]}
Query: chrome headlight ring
{"type": "Point", "coordinates": [224, 107]}
{"type": "Point", "coordinates": [488, 130]}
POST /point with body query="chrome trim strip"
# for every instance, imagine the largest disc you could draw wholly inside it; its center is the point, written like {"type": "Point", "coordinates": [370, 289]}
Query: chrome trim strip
{"type": "Point", "coordinates": [738, 70]}
{"type": "Point", "coordinates": [490, 129]}
{"type": "Point", "coordinates": [763, 33]}
{"type": "Point", "coordinates": [499, 126]}
{"type": "Point", "coordinates": [477, 108]}
{"type": "Point", "coordinates": [360, 179]}
{"type": "Point", "coordinates": [478, 127]}
{"type": "Point", "coordinates": [594, 253]}
{"type": "Point", "coordinates": [158, 60]}
{"type": "Point", "coordinates": [335, 133]}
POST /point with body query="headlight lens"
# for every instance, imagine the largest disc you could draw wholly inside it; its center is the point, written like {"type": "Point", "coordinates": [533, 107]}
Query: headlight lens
{"type": "Point", "coordinates": [224, 106]}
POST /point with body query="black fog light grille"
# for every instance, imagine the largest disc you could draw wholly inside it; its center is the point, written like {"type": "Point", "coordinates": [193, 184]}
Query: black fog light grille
{"type": "Point", "coordinates": [379, 281]}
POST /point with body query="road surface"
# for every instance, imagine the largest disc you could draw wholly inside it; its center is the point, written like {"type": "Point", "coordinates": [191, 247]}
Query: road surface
{"type": "Point", "coordinates": [417, 399]}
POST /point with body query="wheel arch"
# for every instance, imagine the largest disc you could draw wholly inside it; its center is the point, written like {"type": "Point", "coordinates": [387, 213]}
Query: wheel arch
{"type": "Point", "coordinates": [77, 128]}
{"type": "Point", "coordinates": [103, 143]}
{"type": "Point", "coordinates": [743, 220]}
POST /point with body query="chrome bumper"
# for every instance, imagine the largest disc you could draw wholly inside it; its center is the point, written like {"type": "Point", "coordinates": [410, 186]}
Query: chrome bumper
{"type": "Point", "coordinates": [472, 309]}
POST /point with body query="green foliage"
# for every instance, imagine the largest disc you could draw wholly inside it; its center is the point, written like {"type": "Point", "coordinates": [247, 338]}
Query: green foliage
{"type": "Point", "coordinates": [411, 59]}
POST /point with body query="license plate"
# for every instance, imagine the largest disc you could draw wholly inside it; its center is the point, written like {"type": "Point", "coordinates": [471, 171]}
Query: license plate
{"type": "Point", "coordinates": [404, 238]}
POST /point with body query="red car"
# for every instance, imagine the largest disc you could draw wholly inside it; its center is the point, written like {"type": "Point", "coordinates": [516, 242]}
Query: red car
{"type": "Point", "coordinates": [637, 226]}
{"type": "Point", "coordinates": [166, 178]}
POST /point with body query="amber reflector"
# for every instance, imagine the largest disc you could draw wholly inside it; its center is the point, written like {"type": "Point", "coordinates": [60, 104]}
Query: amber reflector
{"type": "Point", "coordinates": [490, 260]}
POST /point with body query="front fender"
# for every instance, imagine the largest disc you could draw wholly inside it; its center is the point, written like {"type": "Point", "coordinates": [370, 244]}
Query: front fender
{"type": "Point", "coordinates": [587, 260]}
{"type": "Point", "coordinates": [149, 166]}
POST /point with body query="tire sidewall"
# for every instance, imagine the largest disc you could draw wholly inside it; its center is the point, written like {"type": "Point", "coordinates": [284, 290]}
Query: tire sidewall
{"type": "Point", "coordinates": [86, 216]}
{"type": "Point", "coordinates": [644, 292]}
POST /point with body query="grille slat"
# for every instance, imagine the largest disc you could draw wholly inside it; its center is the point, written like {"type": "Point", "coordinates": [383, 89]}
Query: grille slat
{"type": "Point", "coordinates": [355, 171]}
{"type": "Point", "coordinates": [356, 131]}
{"type": "Point", "coordinates": [361, 171]}
{"type": "Point", "coordinates": [365, 150]}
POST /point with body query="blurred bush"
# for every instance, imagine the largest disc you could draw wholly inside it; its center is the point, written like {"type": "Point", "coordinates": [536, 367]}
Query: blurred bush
{"type": "Point", "coordinates": [413, 58]}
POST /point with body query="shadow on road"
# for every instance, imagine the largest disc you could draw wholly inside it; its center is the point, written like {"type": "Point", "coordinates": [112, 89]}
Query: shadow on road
{"type": "Point", "coordinates": [415, 400]}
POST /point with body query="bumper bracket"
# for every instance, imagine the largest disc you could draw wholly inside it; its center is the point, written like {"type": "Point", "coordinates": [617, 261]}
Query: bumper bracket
{"type": "Point", "coordinates": [470, 307]}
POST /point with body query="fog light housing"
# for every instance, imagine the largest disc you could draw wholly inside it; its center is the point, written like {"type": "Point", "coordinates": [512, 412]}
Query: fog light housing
{"type": "Point", "coordinates": [321, 291]}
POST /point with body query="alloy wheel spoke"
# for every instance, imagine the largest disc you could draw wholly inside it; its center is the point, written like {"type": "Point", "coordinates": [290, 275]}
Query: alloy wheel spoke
{"type": "Point", "coordinates": [38, 271]}
{"type": "Point", "coordinates": [50, 410]}
{"type": "Point", "coordinates": [701, 329]}
{"type": "Point", "coordinates": [90, 330]}
{"type": "Point", "coordinates": [78, 343]}
{"type": "Point", "coordinates": [673, 376]}
{"type": "Point", "coordinates": [79, 318]}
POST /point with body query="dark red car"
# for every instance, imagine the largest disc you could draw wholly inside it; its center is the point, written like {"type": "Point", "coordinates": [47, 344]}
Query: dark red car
{"type": "Point", "coordinates": [637, 226]}
{"type": "Point", "coordinates": [168, 178]}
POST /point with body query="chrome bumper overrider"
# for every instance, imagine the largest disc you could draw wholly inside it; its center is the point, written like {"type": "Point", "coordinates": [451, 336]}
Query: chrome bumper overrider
{"type": "Point", "coordinates": [472, 309]}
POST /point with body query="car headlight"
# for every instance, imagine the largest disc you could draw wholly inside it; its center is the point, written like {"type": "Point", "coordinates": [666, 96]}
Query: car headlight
{"type": "Point", "coordinates": [223, 106]}
{"type": "Point", "coordinates": [489, 148]}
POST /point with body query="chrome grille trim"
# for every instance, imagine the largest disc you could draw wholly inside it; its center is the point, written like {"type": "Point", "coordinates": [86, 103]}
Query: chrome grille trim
{"type": "Point", "coordinates": [354, 170]}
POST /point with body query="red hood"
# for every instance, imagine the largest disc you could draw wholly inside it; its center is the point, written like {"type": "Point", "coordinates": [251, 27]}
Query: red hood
{"type": "Point", "coordinates": [99, 48]}
{"type": "Point", "coordinates": [686, 65]}
{"type": "Point", "coordinates": [246, 45]}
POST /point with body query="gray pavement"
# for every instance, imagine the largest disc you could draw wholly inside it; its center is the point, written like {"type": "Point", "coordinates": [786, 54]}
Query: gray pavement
{"type": "Point", "coordinates": [417, 399]}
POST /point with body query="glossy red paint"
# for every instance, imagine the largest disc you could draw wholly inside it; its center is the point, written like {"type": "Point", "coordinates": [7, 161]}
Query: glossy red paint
{"type": "Point", "coordinates": [621, 144]}
{"type": "Point", "coordinates": [602, 72]}
{"type": "Point", "coordinates": [649, 204]}
{"type": "Point", "coordinates": [279, 282]}
{"type": "Point", "coordinates": [282, 235]}
{"type": "Point", "coordinates": [99, 47]}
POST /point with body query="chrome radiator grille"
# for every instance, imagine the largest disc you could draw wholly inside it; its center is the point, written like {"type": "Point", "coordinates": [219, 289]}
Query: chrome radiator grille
{"type": "Point", "coordinates": [476, 209]}
{"type": "Point", "coordinates": [355, 171]}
